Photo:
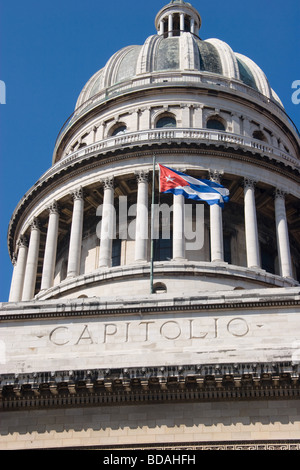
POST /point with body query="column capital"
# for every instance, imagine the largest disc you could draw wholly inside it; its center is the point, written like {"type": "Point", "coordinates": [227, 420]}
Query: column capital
{"type": "Point", "coordinates": [77, 193]}
{"type": "Point", "coordinates": [35, 224]}
{"type": "Point", "coordinates": [142, 176]}
{"type": "Point", "coordinates": [280, 193]}
{"type": "Point", "coordinates": [14, 259]}
{"type": "Point", "coordinates": [22, 242]}
{"type": "Point", "coordinates": [216, 175]}
{"type": "Point", "coordinates": [108, 183]}
{"type": "Point", "coordinates": [53, 208]}
{"type": "Point", "coordinates": [249, 183]}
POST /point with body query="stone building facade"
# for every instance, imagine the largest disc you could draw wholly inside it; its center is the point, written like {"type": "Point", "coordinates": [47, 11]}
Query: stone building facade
{"type": "Point", "coordinates": [92, 354]}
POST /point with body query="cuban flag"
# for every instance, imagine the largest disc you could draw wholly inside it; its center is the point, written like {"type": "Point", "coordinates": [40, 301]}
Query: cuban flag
{"type": "Point", "coordinates": [175, 182]}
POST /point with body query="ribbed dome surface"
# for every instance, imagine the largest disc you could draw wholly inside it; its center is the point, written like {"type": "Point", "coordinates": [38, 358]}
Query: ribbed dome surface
{"type": "Point", "coordinates": [186, 53]}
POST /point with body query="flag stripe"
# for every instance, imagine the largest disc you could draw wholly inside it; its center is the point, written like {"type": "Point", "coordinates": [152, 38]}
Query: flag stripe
{"type": "Point", "coordinates": [176, 182]}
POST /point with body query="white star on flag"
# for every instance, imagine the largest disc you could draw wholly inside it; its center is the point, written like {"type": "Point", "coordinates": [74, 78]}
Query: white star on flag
{"type": "Point", "coordinates": [169, 178]}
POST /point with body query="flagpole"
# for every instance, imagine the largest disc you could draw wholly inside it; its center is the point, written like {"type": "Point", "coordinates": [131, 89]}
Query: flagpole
{"type": "Point", "coordinates": [152, 228]}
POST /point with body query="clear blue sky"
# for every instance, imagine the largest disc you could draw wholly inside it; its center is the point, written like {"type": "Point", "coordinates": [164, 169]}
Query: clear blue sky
{"type": "Point", "coordinates": [50, 49]}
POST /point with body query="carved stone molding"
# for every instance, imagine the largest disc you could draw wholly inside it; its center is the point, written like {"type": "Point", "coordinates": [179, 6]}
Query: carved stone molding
{"type": "Point", "coordinates": [216, 175]}
{"type": "Point", "coordinates": [35, 224]}
{"type": "Point", "coordinates": [219, 382]}
{"type": "Point", "coordinates": [108, 183]}
{"type": "Point", "coordinates": [280, 194]}
{"type": "Point", "coordinates": [23, 241]}
{"type": "Point", "coordinates": [287, 445]}
{"type": "Point", "coordinates": [53, 208]}
{"type": "Point", "coordinates": [77, 193]}
{"type": "Point", "coordinates": [249, 183]}
{"type": "Point", "coordinates": [142, 176]}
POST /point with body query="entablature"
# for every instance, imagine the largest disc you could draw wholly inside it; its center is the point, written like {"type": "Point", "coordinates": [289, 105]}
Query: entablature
{"type": "Point", "coordinates": [197, 383]}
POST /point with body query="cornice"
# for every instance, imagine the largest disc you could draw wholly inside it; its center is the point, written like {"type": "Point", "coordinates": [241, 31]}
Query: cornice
{"type": "Point", "coordinates": [189, 383]}
{"type": "Point", "coordinates": [40, 310]}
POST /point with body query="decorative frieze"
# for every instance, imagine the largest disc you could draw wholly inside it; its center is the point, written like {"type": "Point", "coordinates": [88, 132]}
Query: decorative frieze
{"type": "Point", "coordinates": [160, 384]}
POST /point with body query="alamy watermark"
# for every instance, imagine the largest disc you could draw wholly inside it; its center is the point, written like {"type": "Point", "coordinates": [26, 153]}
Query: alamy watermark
{"type": "Point", "coordinates": [124, 222]}
{"type": "Point", "coordinates": [2, 92]}
{"type": "Point", "coordinates": [296, 93]}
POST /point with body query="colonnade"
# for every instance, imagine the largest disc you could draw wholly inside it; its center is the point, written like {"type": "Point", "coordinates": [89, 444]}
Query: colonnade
{"type": "Point", "coordinates": [26, 259]}
{"type": "Point", "coordinates": [169, 19]}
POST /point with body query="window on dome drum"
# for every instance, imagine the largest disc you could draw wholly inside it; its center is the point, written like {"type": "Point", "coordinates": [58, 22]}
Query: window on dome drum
{"type": "Point", "coordinates": [163, 249]}
{"type": "Point", "coordinates": [166, 121]}
{"type": "Point", "coordinates": [116, 253]}
{"type": "Point", "coordinates": [259, 135]}
{"type": "Point", "coordinates": [216, 124]}
{"type": "Point", "coordinates": [227, 248]}
{"type": "Point", "coordinates": [119, 130]}
{"type": "Point", "coordinates": [267, 258]}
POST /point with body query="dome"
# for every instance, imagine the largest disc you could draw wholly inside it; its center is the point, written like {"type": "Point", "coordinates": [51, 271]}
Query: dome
{"type": "Point", "coordinates": [177, 48]}
{"type": "Point", "coordinates": [200, 108]}
{"type": "Point", "coordinates": [157, 262]}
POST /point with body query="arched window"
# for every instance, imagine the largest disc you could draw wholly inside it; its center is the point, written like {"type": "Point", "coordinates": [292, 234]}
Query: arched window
{"type": "Point", "coordinates": [215, 123]}
{"type": "Point", "coordinates": [159, 288]}
{"type": "Point", "coordinates": [166, 121]}
{"type": "Point", "coordinates": [118, 130]}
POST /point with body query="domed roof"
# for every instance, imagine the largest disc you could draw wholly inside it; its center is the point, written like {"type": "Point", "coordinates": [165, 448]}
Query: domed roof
{"type": "Point", "coordinates": [177, 48]}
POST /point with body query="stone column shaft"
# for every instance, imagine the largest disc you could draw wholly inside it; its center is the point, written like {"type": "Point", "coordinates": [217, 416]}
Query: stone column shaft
{"type": "Point", "coordinates": [192, 26]}
{"type": "Point", "coordinates": [178, 227]}
{"type": "Point", "coordinates": [181, 23]}
{"type": "Point", "coordinates": [107, 226]}
{"type": "Point", "coordinates": [141, 237]}
{"type": "Point", "coordinates": [161, 28]}
{"type": "Point", "coordinates": [216, 225]}
{"type": "Point", "coordinates": [216, 233]}
{"type": "Point", "coordinates": [32, 262]}
{"type": "Point", "coordinates": [251, 231]}
{"type": "Point", "coordinates": [50, 248]}
{"type": "Point", "coordinates": [170, 25]}
{"type": "Point", "coordinates": [76, 235]}
{"type": "Point", "coordinates": [17, 283]}
{"type": "Point", "coordinates": [283, 244]}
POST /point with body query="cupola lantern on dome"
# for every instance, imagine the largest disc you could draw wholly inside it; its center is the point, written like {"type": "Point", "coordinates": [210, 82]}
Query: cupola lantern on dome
{"type": "Point", "coordinates": [176, 18]}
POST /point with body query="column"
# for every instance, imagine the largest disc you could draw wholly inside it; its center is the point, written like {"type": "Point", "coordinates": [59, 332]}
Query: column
{"type": "Point", "coordinates": [246, 127]}
{"type": "Point", "coordinates": [141, 237]}
{"type": "Point", "coordinates": [32, 261]}
{"type": "Point", "coordinates": [107, 225]}
{"type": "Point", "coordinates": [235, 120]}
{"type": "Point", "coordinates": [161, 28]}
{"type": "Point", "coordinates": [181, 23]}
{"type": "Point", "coordinates": [50, 248]}
{"type": "Point", "coordinates": [198, 117]}
{"type": "Point", "coordinates": [17, 283]}
{"type": "Point", "coordinates": [251, 232]}
{"type": "Point", "coordinates": [283, 244]}
{"type": "Point", "coordinates": [216, 225]}
{"type": "Point", "coordinates": [170, 27]}
{"type": "Point", "coordinates": [178, 227]}
{"type": "Point", "coordinates": [76, 234]}
{"type": "Point", "coordinates": [192, 26]}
